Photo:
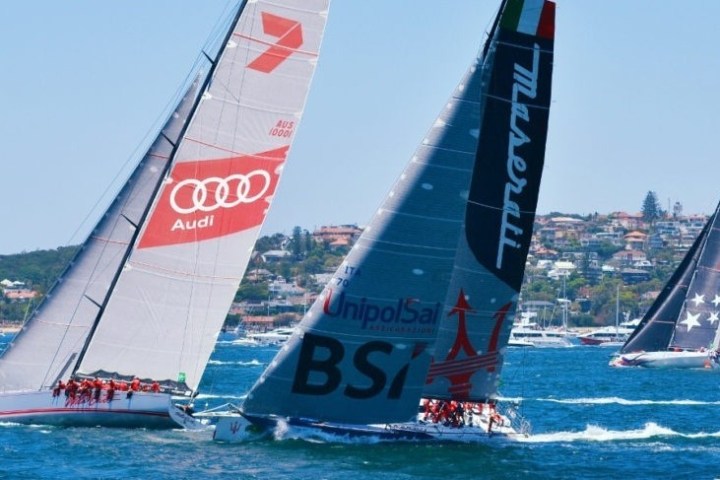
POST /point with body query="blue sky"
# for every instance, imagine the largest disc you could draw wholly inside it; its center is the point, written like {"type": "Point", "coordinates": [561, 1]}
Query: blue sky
{"type": "Point", "coordinates": [85, 83]}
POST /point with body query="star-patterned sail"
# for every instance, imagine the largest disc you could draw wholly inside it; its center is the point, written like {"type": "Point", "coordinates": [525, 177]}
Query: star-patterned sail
{"type": "Point", "coordinates": [686, 315]}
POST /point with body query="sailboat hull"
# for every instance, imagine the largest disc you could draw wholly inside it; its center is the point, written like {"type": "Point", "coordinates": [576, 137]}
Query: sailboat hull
{"type": "Point", "coordinates": [241, 428]}
{"type": "Point", "coordinates": [142, 410]}
{"type": "Point", "coordinates": [667, 359]}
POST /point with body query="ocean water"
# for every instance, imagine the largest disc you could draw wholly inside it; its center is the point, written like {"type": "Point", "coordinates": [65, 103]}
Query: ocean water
{"type": "Point", "coordinates": [589, 421]}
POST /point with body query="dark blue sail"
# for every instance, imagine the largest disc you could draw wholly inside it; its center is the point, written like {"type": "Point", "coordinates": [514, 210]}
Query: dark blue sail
{"type": "Point", "coordinates": [685, 316]}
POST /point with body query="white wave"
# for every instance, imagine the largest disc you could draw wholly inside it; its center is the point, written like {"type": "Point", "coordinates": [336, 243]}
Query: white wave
{"type": "Point", "coordinates": [594, 433]}
{"type": "Point", "coordinates": [622, 401]}
{"type": "Point", "coordinates": [510, 399]}
{"type": "Point", "coordinates": [283, 431]}
{"type": "Point", "coordinates": [251, 363]}
{"type": "Point", "coordinates": [205, 396]}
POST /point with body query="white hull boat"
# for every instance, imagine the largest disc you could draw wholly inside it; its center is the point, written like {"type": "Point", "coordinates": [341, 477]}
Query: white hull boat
{"type": "Point", "coordinates": [680, 329]}
{"type": "Point", "coordinates": [142, 409]}
{"type": "Point", "coordinates": [669, 359]}
{"type": "Point", "coordinates": [475, 428]}
{"type": "Point", "coordinates": [148, 291]}
{"type": "Point", "coordinates": [539, 338]}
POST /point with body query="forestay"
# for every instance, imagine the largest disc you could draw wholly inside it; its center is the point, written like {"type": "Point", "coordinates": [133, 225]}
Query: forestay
{"type": "Point", "coordinates": [176, 288]}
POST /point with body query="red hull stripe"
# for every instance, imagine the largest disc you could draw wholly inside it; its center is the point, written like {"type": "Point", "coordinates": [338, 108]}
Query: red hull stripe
{"type": "Point", "coordinates": [50, 411]}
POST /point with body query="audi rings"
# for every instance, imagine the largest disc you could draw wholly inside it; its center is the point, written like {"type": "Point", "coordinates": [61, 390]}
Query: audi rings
{"type": "Point", "coordinates": [202, 200]}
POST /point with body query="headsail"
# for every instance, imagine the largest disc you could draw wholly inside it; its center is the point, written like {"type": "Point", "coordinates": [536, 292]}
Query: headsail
{"type": "Point", "coordinates": [361, 353]}
{"type": "Point", "coordinates": [685, 314]}
{"type": "Point", "coordinates": [491, 256]}
{"type": "Point", "coordinates": [176, 288]}
{"type": "Point", "coordinates": [48, 346]}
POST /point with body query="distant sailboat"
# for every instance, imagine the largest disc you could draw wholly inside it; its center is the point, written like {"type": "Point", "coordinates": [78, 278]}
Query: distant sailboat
{"type": "Point", "coordinates": [609, 336]}
{"type": "Point", "coordinates": [148, 291]}
{"type": "Point", "coordinates": [680, 330]}
{"type": "Point", "coordinates": [422, 306]}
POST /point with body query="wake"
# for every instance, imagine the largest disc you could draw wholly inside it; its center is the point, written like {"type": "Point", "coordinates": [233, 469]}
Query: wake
{"type": "Point", "coordinates": [251, 363]}
{"type": "Point", "coordinates": [593, 433]}
{"type": "Point", "coordinates": [622, 401]}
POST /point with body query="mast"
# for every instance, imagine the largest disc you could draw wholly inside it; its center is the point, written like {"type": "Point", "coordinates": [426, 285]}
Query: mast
{"type": "Point", "coordinates": [168, 166]}
{"type": "Point", "coordinates": [617, 312]}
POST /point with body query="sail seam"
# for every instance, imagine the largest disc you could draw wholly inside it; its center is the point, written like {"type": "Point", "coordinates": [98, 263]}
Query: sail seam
{"type": "Point", "coordinates": [510, 101]}
{"type": "Point", "coordinates": [279, 47]}
{"type": "Point", "coordinates": [414, 255]}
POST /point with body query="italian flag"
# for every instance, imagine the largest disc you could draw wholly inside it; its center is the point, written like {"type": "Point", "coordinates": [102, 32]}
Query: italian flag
{"type": "Point", "coordinates": [532, 17]}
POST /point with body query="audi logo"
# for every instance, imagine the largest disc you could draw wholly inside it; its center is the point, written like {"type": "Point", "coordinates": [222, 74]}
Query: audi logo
{"type": "Point", "coordinates": [203, 200]}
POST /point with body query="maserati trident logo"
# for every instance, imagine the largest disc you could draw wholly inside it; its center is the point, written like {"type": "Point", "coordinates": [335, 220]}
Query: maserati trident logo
{"type": "Point", "coordinates": [215, 192]}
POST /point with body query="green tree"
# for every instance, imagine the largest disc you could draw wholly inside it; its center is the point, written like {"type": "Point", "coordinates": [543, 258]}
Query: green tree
{"type": "Point", "coordinates": [651, 210]}
{"type": "Point", "coordinates": [297, 243]}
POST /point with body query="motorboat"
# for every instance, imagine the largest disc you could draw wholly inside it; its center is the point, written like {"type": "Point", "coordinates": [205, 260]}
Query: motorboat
{"type": "Point", "coordinates": [277, 336]}
{"type": "Point", "coordinates": [607, 336]}
{"type": "Point", "coordinates": [538, 337]}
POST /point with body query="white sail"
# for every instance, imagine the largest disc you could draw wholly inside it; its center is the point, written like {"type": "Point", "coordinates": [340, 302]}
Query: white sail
{"type": "Point", "coordinates": [50, 342]}
{"type": "Point", "coordinates": [168, 304]}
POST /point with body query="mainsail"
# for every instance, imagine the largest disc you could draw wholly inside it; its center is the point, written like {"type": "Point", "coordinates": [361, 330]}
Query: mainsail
{"type": "Point", "coordinates": [685, 314]}
{"type": "Point", "coordinates": [150, 288]}
{"type": "Point", "coordinates": [362, 352]}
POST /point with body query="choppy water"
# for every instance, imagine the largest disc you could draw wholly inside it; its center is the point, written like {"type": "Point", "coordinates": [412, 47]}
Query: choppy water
{"type": "Point", "coordinates": [589, 421]}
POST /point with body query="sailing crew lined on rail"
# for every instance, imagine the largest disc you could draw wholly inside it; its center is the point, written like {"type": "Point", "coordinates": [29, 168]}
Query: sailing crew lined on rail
{"type": "Point", "coordinates": [458, 414]}
{"type": "Point", "coordinates": [87, 389]}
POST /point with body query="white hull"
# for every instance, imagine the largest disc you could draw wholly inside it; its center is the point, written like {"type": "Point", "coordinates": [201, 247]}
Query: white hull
{"type": "Point", "coordinates": [142, 410]}
{"type": "Point", "coordinates": [520, 336]}
{"type": "Point", "coordinates": [667, 359]}
{"type": "Point", "coordinates": [235, 428]}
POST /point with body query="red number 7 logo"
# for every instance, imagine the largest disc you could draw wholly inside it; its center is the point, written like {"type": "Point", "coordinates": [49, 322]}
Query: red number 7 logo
{"type": "Point", "coordinates": [290, 37]}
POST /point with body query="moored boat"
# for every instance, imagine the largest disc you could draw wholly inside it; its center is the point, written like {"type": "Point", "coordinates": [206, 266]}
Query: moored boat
{"type": "Point", "coordinates": [608, 336]}
{"type": "Point", "coordinates": [539, 337]}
